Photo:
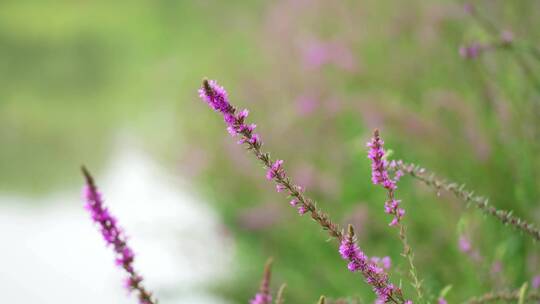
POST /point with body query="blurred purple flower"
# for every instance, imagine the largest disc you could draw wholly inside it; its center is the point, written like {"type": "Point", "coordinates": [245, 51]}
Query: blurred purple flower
{"type": "Point", "coordinates": [466, 247]}
{"type": "Point", "coordinates": [507, 37]}
{"type": "Point", "coordinates": [260, 217]}
{"type": "Point", "coordinates": [114, 236]}
{"type": "Point", "coordinates": [263, 296]}
{"type": "Point", "coordinates": [315, 55]}
{"type": "Point", "coordinates": [468, 8]}
{"type": "Point", "coordinates": [464, 244]}
{"type": "Point", "coordinates": [318, 53]}
{"type": "Point", "coordinates": [536, 282]}
{"type": "Point", "coordinates": [306, 104]}
{"type": "Point", "coordinates": [470, 51]}
{"type": "Point", "coordinates": [384, 262]}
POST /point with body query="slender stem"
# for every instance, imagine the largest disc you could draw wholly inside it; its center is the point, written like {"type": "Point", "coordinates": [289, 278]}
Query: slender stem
{"type": "Point", "coordinates": [280, 299]}
{"type": "Point", "coordinates": [506, 296]}
{"type": "Point", "coordinates": [482, 203]}
{"type": "Point", "coordinates": [495, 31]}
{"type": "Point", "coordinates": [407, 253]}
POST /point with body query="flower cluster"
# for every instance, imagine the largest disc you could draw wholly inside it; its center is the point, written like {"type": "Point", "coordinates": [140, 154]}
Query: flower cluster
{"type": "Point", "coordinates": [261, 299]}
{"type": "Point", "coordinates": [302, 209]}
{"type": "Point", "coordinates": [380, 176]}
{"type": "Point", "coordinates": [216, 97]}
{"type": "Point", "coordinates": [264, 296]}
{"type": "Point", "coordinates": [276, 171]}
{"type": "Point", "coordinates": [373, 273]}
{"type": "Point", "coordinates": [115, 237]}
{"type": "Point", "coordinates": [392, 207]}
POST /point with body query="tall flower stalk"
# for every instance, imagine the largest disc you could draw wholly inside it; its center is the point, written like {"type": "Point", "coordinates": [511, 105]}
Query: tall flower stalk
{"type": "Point", "coordinates": [264, 296]}
{"type": "Point", "coordinates": [114, 236]}
{"type": "Point", "coordinates": [216, 97]}
{"type": "Point", "coordinates": [480, 202]}
{"type": "Point", "coordinates": [380, 176]}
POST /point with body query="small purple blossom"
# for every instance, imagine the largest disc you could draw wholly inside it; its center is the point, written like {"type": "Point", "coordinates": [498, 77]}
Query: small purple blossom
{"type": "Point", "coordinates": [276, 170]}
{"type": "Point", "coordinates": [441, 300]}
{"type": "Point", "coordinates": [471, 51]}
{"type": "Point", "coordinates": [302, 209]}
{"type": "Point", "coordinates": [507, 37]}
{"type": "Point", "coordinates": [468, 8]}
{"type": "Point", "coordinates": [464, 244]}
{"type": "Point", "coordinates": [384, 262]}
{"type": "Point", "coordinates": [261, 299]}
{"type": "Point", "coordinates": [536, 282]}
{"type": "Point", "coordinates": [114, 236]}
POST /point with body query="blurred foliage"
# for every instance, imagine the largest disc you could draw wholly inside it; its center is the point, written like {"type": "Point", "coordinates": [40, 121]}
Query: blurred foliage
{"type": "Point", "coordinates": [317, 76]}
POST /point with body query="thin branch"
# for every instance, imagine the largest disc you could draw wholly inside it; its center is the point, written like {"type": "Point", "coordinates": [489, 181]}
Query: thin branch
{"type": "Point", "coordinates": [480, 202]}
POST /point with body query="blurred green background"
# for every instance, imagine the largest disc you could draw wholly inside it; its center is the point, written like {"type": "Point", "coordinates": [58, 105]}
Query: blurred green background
{"type": "Point", "coordinates": [317, 76]}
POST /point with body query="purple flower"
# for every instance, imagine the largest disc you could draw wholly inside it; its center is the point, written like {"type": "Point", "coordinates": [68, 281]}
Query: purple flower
{"type": "Point", "coordinates": [276, 170]}
{"type": "Point", "coordinates": [263, 296]}
{"type": "Point", "coordinates": [464, 244]}
{"type": "Point", "coordinates": [114, 237]}
{"type": "Point", "coordinates": [359, 262]}
{"type": "Point", "coordinates": [536, 282]}
{"type": "Point", "coordinates": [379, 174]}
{"type": "Point", "coordinates": [216, 97]}
{"type": "Point", "coordinates": [468, 8]}
{"type": "Point", "coordinates": [302, 209]}
{"type": "Point", "coordinates": [384, 262]}
{"type": "Point", "coordinates": [261, 299]}
{"type": "Point", "coordinates": [471, 51]}
{"type": "Point", "coordinates": [441, 301]}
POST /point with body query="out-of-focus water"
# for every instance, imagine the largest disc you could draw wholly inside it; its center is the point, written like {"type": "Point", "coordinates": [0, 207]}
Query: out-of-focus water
{"type": "Point", "coordinates": [52, 253]}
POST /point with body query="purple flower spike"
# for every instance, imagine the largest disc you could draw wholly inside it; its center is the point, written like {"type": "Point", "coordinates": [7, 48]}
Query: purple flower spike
{"type": "Point", "coordinates": [114, 236]}
{"type": "Point", "coordinates": [217, 98]}
{"type": "Point", "coordinates": [263, 296]}
{"type": "Point", "coordinates": [373, 274]}
{"type": "Point", "coordinates": [379, 174]}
